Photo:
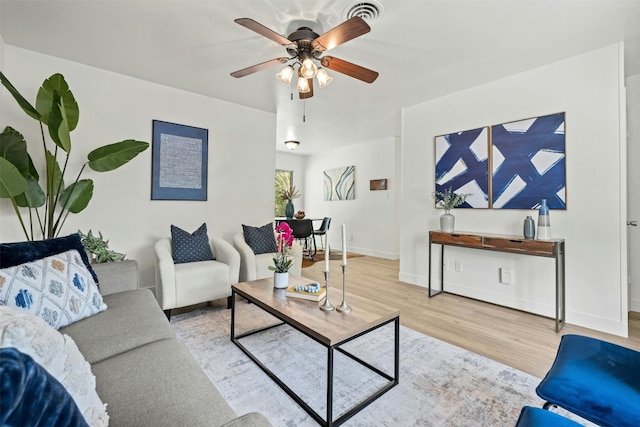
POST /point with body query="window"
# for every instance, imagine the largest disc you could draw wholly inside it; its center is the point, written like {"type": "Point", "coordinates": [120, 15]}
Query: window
{"type": "Point", "coordinates": [284, 179]}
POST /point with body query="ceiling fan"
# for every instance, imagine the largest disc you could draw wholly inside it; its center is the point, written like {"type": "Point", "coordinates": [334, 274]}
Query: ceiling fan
{"type": "Point", "coordinates": [304, 47]}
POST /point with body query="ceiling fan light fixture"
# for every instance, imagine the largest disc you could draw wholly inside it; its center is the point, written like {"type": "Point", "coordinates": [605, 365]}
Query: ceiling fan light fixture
{"type": "Point", "coordinates": [324, 78]}
{"type": "Point", "coordinates": [292, 145]}
{"type": "Point", "coordinates": [285, 75]}
{"type": "Point", "coordinates": [308, 69]}
{"type": "Point", "coordinates": [303, 85]}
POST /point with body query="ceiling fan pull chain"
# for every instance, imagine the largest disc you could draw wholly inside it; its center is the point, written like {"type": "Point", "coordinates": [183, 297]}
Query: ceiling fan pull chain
{"type": "Point", "coordinates": [304, 111]}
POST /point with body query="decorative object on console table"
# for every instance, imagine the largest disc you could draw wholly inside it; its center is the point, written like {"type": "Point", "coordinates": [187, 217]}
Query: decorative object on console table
{"type": "Point", "coordinates": [448, 200]}
{"type": "Point", "coordinates": [529, 228]}
{"type": "Point", "coordinates": [299, 215]}
{"type": "Point", "coordinates": [544, 225]}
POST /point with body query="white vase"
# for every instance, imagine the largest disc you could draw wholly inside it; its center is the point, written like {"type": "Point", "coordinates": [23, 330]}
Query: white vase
{"type": "Point", "coordinates": [281, 280]}
{"type": "Point", "coordinates": [447, 222]}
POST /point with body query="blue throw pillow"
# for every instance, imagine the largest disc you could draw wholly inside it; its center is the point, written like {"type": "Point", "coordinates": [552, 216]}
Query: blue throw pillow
{"type": "Point", "coordinates": [190, 247]}
{"type": "Point", "coordinates": [12, 254]}
{"type": "Point", "coordinates": [261, 240]}
{"type": "Point", "coordinates": [31, 396]}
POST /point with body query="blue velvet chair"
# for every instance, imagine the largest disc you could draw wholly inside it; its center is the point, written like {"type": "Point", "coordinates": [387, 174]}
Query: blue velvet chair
{"type": "Point", "coordinates": [597, 380]}
{"type": "Point", "coordinates": [538, 417]}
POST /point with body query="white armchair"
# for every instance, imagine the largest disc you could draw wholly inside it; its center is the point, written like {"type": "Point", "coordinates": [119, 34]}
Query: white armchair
{"type": "Point", "coordinates": [180, 285]}
{"type": "Point", "coordinates": [254, 267]}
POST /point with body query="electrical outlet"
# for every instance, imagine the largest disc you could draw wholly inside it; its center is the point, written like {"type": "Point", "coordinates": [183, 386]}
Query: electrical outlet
{"type": "Point", "coordinates": [458, 265]}
{"type": "Point", "coordinates": [505, 276]}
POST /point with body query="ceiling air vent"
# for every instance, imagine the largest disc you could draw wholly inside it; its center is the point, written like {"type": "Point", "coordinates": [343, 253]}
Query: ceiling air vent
{"type": "Point", "coordinates": [370, 11]}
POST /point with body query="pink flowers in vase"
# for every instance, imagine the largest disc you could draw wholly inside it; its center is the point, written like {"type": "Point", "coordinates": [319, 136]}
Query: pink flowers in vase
{"type": "Point", "coordinates": [284, 240]}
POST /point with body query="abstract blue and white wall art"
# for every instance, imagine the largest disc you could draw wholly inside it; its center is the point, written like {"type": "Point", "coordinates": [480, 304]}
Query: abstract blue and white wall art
{"type": "Point", "coordinates": [339, 183]}
{"type": "Point", "coordinates": [528, 163]}
{"type": "Point", "coordinates": [462, 164]}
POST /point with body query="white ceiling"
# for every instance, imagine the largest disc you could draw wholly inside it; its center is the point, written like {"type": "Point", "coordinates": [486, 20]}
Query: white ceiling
{"type": "Point", "coordinates": [423, 49]}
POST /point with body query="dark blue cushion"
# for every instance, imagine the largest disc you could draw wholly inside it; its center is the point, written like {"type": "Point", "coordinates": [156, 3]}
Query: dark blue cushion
{"type": "Point", "coordinates": [12, 254]}
{"type": "Point", "coordinates": [596, 380]}
{"type": "Point", "coordinates": [538, 417]}
{"type": "Point", "coordinates": [190, 247]}
{"type": "Point", "coordinates": [261, 240]}
{"type": "Point", "coordinates": [31, 396]}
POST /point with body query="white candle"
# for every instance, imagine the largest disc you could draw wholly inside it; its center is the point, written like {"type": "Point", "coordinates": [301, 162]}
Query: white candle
{"type": "Point", "coordinates": [326, 258]}
{"type": "Point", "coordinates": [344, 245]}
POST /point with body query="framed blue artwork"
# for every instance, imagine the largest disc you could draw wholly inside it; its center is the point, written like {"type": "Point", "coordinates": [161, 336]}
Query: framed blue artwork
{"type": "Point", "coordinates": [179, 162]}
{"type": "Point", "coordinates": [462, 164]}
{"type": "Point", "coordinates": [528, 163]}
{"type": "Point", "coordinates": [339, 183]}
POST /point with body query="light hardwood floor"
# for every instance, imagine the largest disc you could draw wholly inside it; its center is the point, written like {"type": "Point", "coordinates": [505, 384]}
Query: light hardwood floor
{"type": "Point", "coordinates": [524, 341]}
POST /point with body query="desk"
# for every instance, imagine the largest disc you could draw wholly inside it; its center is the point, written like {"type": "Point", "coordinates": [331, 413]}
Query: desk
{"type": "Point", "coordinates": [553, 248]}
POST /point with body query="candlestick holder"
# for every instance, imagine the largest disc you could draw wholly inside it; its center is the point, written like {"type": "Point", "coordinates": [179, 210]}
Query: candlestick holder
{"type": "Point", "coordinates": [326, 305]}
{"type": "Point", "coordinates": [344, 307]}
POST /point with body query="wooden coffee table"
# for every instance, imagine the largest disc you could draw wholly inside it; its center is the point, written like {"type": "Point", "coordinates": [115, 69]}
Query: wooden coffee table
{"type": "Point", "coordinates": [331, 329]}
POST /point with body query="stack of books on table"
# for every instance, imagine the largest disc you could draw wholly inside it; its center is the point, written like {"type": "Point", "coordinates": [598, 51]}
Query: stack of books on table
{"type": "Point", "coordinates": [311, 294]}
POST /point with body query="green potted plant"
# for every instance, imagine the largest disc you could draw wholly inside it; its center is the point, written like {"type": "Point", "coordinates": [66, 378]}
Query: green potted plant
{"type": "Point", "coordinates": [448, 199]}
{"type": "Point", "coordinates": [48, 205]}
{"type": "Point", "coordinates": [98, 248]}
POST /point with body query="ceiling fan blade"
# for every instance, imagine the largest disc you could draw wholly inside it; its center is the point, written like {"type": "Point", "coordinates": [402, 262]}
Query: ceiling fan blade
{"type": "Point", "coordinates": [348, 30]}
{"type": "Point", "coordinates": [263, 31]}
{"type": "Point", "coordinates": [307, 94]}
{"type": "Point", "coordinates": [348, 68]}
{"type": "Point", "coordinates": [259, 67]}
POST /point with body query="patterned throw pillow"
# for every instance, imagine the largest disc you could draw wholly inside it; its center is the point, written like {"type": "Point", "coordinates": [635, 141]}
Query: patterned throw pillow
{"type": "Point", "coordinates": [190, 247]}
{"type": "Point", "coordinates": [58, 354]}
{"type": "Point", "coordinates": [12, 254]}
{"type": "Point", "coordinates": [261, 240]}
{"type": "Point", "coordinates": [31, 396]}
{"type": "Point", "coordinates": [59, 289]}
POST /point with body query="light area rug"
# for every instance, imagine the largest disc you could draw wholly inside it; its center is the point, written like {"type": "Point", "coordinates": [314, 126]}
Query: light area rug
{"type": "Point", "coordinates": [439, 384]}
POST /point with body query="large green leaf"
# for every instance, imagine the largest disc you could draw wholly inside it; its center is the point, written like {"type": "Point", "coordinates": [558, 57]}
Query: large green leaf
{"type": "Point", "coordinates": [23, 103]}
{"type": "Point", "coordinates": [14, 149]}
{"type": "Point", "coordinates": [77, 196]}
{"type": "Point", "coordinates": [33, 196]}
{"type": "Point", "coordinates": [110, 157]}
{"type": "Point", "coordinates": [58, 127]}
{"type": "Point", "coordinates": [55, 90]}
{"type": "Point", "coordinates": [12, 182]}
{"type": "Point", "coordinates": [53, 175]}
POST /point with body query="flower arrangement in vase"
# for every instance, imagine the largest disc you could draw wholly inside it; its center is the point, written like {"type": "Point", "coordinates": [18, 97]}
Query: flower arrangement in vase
{"type": "Point", "coordinates": [282, 261]}
{"type": "Point", "coordinates": [448, 199]}
{"type": "Point", "coordinates": [289, 194]}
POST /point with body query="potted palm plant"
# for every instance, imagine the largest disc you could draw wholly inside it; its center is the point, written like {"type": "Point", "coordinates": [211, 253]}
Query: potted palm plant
{"type": "Point", "coordinates": [45, 197]}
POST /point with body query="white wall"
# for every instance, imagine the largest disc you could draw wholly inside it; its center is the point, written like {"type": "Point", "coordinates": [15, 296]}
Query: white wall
{"type": "Point", "coordinates": [633, 123]}
{"type": "Point", "coordinates": [588, 89]}
{"type": "Point", "coordinates": [370, 219]}
{"type": "Point", "coordinates": [296, 164]}
{"type": "Point", "coordinates": [114, 107]}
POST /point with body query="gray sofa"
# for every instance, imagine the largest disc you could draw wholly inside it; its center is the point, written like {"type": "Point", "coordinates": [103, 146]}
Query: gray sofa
{"type": "Point", "coordinates": [143, 373]}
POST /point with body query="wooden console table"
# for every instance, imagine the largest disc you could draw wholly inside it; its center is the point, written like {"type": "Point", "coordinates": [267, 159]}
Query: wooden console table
{"type": "Point", "coordinates": [553, 248]}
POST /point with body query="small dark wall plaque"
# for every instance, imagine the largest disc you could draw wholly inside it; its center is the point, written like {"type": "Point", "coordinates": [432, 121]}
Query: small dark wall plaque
{"type": "Point", "coordinates": [378, 184]}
